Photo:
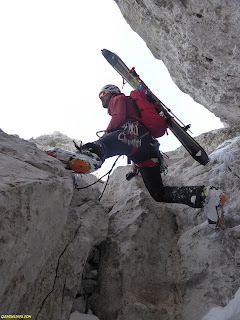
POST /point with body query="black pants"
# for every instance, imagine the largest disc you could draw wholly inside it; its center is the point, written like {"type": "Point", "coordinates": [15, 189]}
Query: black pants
{"type": "Point", "coordinates": [189, 195]}
{"type": "Point", "coordinates": [110, 145]}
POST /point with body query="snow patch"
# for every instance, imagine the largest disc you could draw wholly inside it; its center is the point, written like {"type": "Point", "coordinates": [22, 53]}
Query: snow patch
{"type": "Point", "coordinates": [226, 150]}
{"type": "Point", "coordinates": [82, 316]}
{"type": "Point", "coordinates": [230, 312]}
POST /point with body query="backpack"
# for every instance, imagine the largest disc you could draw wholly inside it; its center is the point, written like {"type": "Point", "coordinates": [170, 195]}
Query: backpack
{"type": "Point", "coordinates": [149, 116]}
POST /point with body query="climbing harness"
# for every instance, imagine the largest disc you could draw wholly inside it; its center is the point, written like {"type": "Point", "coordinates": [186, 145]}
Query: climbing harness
{"type": "Point", "coordinates": [150, 162]}
{"type": "Point", "coordinates": [129, 135]}
{"type": "Point", "coordinates": [78, 147]}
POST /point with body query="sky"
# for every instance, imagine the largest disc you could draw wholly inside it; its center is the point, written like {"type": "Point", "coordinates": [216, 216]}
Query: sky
{"type": "Point", "coordinates": [51, 69]}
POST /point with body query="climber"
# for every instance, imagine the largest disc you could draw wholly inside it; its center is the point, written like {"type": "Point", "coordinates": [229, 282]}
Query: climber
{"type": "Point", "coordinates": [126, 136]}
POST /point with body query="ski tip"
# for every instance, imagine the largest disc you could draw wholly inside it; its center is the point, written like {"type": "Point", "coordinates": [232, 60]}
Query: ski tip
{"type": "Point", "coordinates": [111, 57]}
{"type": "Point", "coordinates": [106, 52]}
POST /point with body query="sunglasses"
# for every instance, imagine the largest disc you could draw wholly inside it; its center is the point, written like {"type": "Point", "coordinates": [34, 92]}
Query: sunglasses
{"type": "Point", "coordinates": [102, 94]}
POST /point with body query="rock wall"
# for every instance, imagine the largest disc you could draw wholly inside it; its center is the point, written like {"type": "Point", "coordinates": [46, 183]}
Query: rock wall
{"type": "Point", "coordinates": [198, 42]}
{"type": "Point", "coordinates": [49, 234]}
{"type": "Point", "coordinates": [162, 261]}
{"type": "Point", "coordinates": [127, 257]}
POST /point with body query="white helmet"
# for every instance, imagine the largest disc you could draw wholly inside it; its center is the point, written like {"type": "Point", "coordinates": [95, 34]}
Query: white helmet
{"type": "Point", "coordinates": [110, 88]}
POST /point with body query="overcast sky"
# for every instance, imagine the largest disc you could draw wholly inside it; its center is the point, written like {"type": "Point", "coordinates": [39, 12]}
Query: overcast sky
{"type": "Point", "coordinates": [51, 69]}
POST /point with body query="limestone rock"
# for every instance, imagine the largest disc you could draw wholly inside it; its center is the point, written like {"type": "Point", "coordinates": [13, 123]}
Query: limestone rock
{"type": "Point", "coordinates": [34, 202]}
{"type": "Point", "coordinates": [128, 257]}
{"type": "Point", "coordinates": [79, 316]}
{"type": "Point", "coordinates": [48, 231]}
{"type": "Point", "coordinates": [162, 261]}
{"type": "Point", "coordinates": [56, 139]}
{"type": "Point", "coordinates": [231, 311]}
{"type": "Point", "coordinates": [199, 44]}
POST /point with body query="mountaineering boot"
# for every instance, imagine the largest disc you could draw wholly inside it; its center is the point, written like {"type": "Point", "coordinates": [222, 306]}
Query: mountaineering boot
{"type": "Point", "coordinates": [80, 162]}
{"type": "Point", "coordinates": [213, 206]}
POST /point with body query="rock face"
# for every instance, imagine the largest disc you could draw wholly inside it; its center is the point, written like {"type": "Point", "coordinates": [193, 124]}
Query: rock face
{"type": "Point", "coordinates": [57, 139]}
{"type": "Point", "coordinates": [198, 42]}
{"type": "Point", "coordinates": [162, 261]}
{"type": "Point", "coordinates": [49, 233]}
{"type": "Point", "coordinates": [127, 257]}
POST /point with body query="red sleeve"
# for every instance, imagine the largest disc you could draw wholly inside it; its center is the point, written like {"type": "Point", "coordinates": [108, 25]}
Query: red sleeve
{"type": "Point", "coordinates": [118, 111]}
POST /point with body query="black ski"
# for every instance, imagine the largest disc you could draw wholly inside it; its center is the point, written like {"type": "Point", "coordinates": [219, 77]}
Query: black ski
{"type": "Point", "coordinates": [195, 150]}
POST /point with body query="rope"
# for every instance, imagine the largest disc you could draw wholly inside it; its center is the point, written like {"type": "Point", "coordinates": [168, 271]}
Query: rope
{"type": "Point", "coordinates": [108, 173]}
{"type": "Point", "coordinates": [78, 147]}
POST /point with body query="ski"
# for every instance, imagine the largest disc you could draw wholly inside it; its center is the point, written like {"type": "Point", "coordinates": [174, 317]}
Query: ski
{"type": "Point", "coordinates": [178, 129]}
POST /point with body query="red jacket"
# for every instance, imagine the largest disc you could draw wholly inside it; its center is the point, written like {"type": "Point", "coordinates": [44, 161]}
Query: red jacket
{"type": "Point", "coordinates": [122, 109]}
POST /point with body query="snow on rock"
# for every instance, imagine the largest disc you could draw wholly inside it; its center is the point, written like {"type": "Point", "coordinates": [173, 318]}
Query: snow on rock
{"type": "Point", "coordinates": [49, 233]}
{"type": "Point", "coordinates": [81, 316]}
{"type": "Point", "coordinates": [230, 312]}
